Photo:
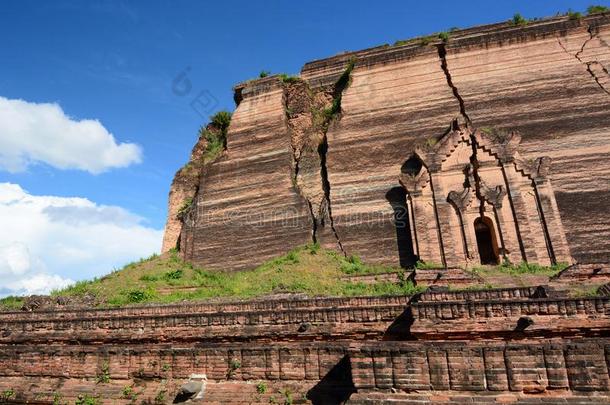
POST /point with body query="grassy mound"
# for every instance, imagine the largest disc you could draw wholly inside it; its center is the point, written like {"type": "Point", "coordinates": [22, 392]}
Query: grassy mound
{"type": "Point", "coordinates": [166, 279]}
{"type": "Point", "coordinates": [309, 270]}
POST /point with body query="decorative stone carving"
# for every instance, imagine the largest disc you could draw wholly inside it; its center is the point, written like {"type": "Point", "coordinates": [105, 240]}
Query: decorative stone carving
{"type": "Point", "coordinates": [536, 169]}
{"type": "Point", "coordinates": [497, 206]}
{"type": "Point", "coordinates": [503, 145]}
{"type": "Point", "coordinates": [494, 195]}
{"type": "Point", "coordinates": [414, 183]}
{"type": "Point", "coordinates": [460, 200]}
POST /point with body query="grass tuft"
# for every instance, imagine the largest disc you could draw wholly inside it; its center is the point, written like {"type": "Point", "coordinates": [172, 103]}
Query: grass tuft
{"type": "Point", "coordinates": [522, 268]}
{"type": "Point", "coordinates": [574, 15]}
{"type": "Point", "coordinates": [11, 303]}
{"type": "Point", "coordinates": [289, 78]}
{"type": "Point", "coordinates": [596, 9]}
{"type": "Point", "coordinates": [518, 20]}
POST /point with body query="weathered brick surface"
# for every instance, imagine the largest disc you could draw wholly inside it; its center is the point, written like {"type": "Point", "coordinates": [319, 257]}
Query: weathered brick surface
{"type": "Point", "coordinates": [599, 272]}
{"type": "Point", "coordinates": [531, 368]}
{"type": "Point", "coordinates": [443, 277]}
{"type": "Point", "coordinates": [481, 294]}
{"type": "Point", "coordinates": [328, 347]}
{"type": "Point", "coordinates": [376, 398]}
{"type": "Point", "coordinates": [334, 322]}
{"type": "Point", "coordinates": [205, 308]}
{"type": "Point", "coordinates": [510, 317]}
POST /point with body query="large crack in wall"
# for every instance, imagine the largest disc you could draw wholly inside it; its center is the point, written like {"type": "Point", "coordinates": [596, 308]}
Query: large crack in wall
{"type": "Point", "coordinates": [442, 54]}
{"type": "Point", "coordinates": [309, 114]}
{"type": "Point", "coordinates": [595, 68]}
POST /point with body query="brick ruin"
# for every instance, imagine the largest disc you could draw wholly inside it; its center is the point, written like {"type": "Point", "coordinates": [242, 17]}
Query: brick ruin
{"type": "Point", "coordinates": [393, 153]}
{"type": "Point", "coordinates": [451, 136]}
{"type": "Point", "coordinates": [511, 345]}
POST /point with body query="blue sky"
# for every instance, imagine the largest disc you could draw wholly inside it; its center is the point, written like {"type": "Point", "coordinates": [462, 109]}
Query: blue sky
{"type": "Point", "coordinates": [116, 61]}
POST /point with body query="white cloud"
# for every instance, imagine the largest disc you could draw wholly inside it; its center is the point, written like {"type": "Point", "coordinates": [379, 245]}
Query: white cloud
{"type": "Point", "coordinates": [46, 241]}
{"type": "Point", "coordinates": [42, 133]}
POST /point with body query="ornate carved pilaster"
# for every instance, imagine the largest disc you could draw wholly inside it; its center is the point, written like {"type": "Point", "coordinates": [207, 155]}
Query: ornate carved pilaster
{"type": "Point", "coordinates": [538, 170]}
{"type": "Point", "coordinates": [461, 201]}
{"type": "Point", "coordinates": [424, 216]}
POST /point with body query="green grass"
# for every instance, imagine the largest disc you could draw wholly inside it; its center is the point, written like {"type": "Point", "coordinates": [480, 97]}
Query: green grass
{"type": "Point", "coordinates": [308, 269]}
{"type": "Point", "coordinates": [87, 399]}
{"type": "Point", "coordinates": [518, 19]}
{"type": "Point", "coordinates": [574, 15]}
{"type": "Point", "coordinates": [584, 290]}
{"type": "Point", "coordinates": [597, 9]}
{"type": "Point", "coordinates": [289, 78]}
{"type": "Point", "coordinates": [11, 303]}
{"type": "Point", "coordinates": [216, 135]}
{"type": "Point", "coordinates": [215, 145]}
{"type": "Point", "coordinates": [427, 39]}
{"type": "Point", "coordinates": [185, 207]}
{"type": "Point", "coordinates": [519, 269]}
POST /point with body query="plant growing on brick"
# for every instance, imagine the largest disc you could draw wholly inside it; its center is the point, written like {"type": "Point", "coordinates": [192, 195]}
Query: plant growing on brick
{"type": "Point", "coordinates": [184, 208]}
{"type": "Point", "coordinates": [287, 396]}
{"type": "Point", "coordinates": [234, 365]}
{"type": "Point", "coordinates": [427, 40]}
{"type": "Point", "coordinates": [288, 78]}
{"type": "Point", "coordinates": [574, 15]}
{"type": "Point", "coordinates": [160, 397]}
{"type": "Point", "coordinates": [87, 399]}
{"type": "Point", "coordinates": [8, 394]}
{"type": "Point", "coordinates": [261, 387]}
{"type": "Point", "coordinates": [596, 9]}
{"type": "Point", "coordinates": [57, 397]}
{"type": "Point", "coordinates": [104, 376]}
{"type": "Point", "coordinates": [129, 393]}
{"type": "Point", "coordinates": [518, 19]}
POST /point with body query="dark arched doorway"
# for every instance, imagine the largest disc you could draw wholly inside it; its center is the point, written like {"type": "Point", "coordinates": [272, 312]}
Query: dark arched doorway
{"type": "Point", "coordinates": [412, 166]}
{"type": "Point", "coordinates": [397, 197]}
{"type": "Point", "coordinates": [486, 240]}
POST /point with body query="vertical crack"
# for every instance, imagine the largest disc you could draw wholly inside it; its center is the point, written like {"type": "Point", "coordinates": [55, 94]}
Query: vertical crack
{"type": "Point", "coordinates": [442, 54]}
{"type": "Point", "coordinates": [309, 114]}
{"type": "Point", "coordinates": [294, 91]}
{"type": "Point", "coordinates": [595, 77]}
{"type": "Point", "coordinates": [589, 64]}
{"type": "Point", "coordinates": [314, 223]}
{"type": "Point", "coordinates": [474, 163]}
{"type": "Point", "coordinates": [322, 149]}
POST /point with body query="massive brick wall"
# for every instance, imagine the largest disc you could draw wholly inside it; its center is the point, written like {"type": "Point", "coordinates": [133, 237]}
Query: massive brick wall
{"type": "Point", "coordinates": [545, 79]}
{"type": "Point", "coordinates": [543, 89]}
{"type": "Point", "coordinates": [504, 77]}
{"type": "Point", "coordinates": [247, 209]}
